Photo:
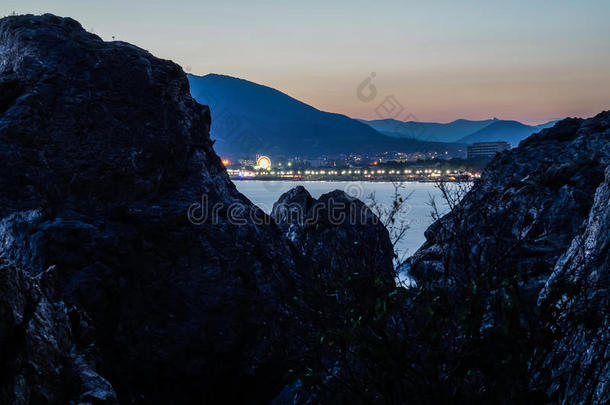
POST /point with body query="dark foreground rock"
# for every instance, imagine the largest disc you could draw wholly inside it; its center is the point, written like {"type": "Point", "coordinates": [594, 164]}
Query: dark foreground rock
{"type": "Point", "coordinates": [524, 225]}
{"type": "Point", "coordinates": [344, 249]}
{"type": "Point", "coordinates": [110, 183]}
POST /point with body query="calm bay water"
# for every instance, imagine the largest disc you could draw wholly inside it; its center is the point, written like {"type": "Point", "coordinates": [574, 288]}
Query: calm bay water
{"type": "Point", "coordinates": [417, 213]}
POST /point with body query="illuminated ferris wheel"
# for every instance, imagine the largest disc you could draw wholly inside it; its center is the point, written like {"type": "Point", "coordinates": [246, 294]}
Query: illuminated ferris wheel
{"type": "Point", "coordinates": [263, 162]}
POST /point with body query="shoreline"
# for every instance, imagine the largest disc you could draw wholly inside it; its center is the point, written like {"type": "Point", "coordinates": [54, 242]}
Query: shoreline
{"type": "Point", "coordinates": [355, 179]}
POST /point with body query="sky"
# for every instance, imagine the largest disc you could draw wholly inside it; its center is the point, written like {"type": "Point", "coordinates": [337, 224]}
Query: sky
{"type": "Point", "coordinates": [531, 60]}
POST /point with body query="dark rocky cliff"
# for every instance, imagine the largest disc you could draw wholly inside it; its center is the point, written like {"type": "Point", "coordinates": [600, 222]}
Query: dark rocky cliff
{"type": "Point", "coordinates": [102, 152]}
{"type": "Point", "coordinates": [523, 262]}
{"type": "Point", "coordinates": [111, 190]}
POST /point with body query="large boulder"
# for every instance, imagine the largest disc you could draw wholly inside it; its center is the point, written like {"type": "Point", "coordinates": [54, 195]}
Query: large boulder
{"type": "Point", "coordinates": [336, 234]}
{"type": "Point", "coordinates": [109, 177]}
{"type": "Point", "coordinates": [86, 121]}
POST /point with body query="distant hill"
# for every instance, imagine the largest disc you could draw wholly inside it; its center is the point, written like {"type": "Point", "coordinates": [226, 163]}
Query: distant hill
{"type": "Point", "coordinates": [512, 132]}
{"type": "Point", "coordinates": [248, 119]}
{"type": "Point", "coordinates": [428, 131]}
{"type": "Point", "coordinates": [463, 131]}
{"type": "Point", "coordinates": [547, 124]}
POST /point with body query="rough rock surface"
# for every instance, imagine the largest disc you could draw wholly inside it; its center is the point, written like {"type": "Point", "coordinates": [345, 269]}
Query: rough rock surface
{"type": "Point", "coordinates": [44, 346]}
{"type": "Point", "coordinates": [523, 260]}
{"type": "Point", "coordinates": [103, 150]}
{"type": "Point", "coordinates": [580, 361]}
{"type": "Point", "coordinates": [112, 190]}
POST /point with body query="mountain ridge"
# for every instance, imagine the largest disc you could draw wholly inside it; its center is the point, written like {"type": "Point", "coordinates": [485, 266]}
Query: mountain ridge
{"type": "Point", "coordinates": [442, 132]}
{"type": "Point", "coordinates": [512, 132]}
{"type": "Point", "coordinates": [458, 130]}
{"type": "Point", "coordinates": [255, 119]}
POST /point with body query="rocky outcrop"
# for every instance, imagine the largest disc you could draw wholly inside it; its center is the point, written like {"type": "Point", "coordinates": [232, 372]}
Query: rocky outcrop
{"type": "Point", "coordinates": [579, 288]}
{"type": "Point", "coordinates": [344, 252]}
{"type": "Point", "coordinates": [103, 152]}
{"type": "Point", "coordinates": [519, 231]}
{"type": "Point", "coordinates": [111, 189]}
{"type": "Point", "coordinates": [473, 329]}
{"type": "Point", "coordinates": [333, 223]}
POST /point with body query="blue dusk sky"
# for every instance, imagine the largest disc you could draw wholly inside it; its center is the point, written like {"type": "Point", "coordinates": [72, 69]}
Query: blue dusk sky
{"type": "Point", "coordinates": [527, 60]}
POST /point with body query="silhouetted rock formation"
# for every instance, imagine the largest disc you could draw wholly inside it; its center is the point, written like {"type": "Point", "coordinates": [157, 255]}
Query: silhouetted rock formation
{"type": "Point", "coordinates": [344, 252]}
{"type": "Point", "coordinates": [333, 223]}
